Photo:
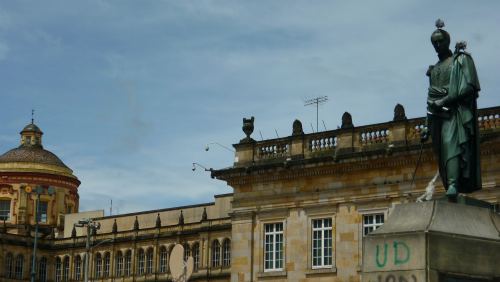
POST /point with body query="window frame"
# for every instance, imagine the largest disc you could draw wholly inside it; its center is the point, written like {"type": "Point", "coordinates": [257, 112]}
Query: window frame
{"type": "Point", "coordinates": [149, 261]}
{"type": "Point", "coordinates": [322, 230]}
{"type": "Point", "coordinates": [163, 260]}
{"type": "Point", "coordinates": [119, 270]}
{"type": "Point", "coordinates": [42, 269]}
{"type": "Point", "coordinates": [39, 212]}
{"type": "Point", "coordinates": [98, 266]}
{"type": "Point", "coordinates": [141, 257]}
{"type": "Point", "coordinates": [215, 254]}
{"type": "Point", "coordinates": [6, 216]}
{"type": "Point", "coordinates": [127, 263]}
{"type": "Point", "coordinates": [19, 267]}
{"type": "Point", "coordinates": [58, 270]}
{"type": "Point", "coordinates": [65, 269]}
{"type": "Point", "coordinates": [274, 234]}
{"type": "Point", "coordinates": [106, 265]}
{"type": "Point", "coordinates": [78, 267]}
{"type": "Point", "coordinates": [196, 256]}
{"type": "Point", "coordinates": [226, 252]}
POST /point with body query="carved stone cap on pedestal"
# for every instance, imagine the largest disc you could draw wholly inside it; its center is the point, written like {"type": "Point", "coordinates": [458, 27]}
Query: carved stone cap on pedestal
{"type": "Point", "coordinates": [434, 241]}
{"type": "Point", "coordinates": [441, 216]}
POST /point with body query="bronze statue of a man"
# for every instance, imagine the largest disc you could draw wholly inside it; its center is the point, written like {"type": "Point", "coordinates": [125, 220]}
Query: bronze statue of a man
{"type": "Point", "coordinates": [452, 115]}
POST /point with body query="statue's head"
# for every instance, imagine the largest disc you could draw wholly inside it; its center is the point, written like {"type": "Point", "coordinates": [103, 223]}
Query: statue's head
{"type": "Point", "coordinates": [440, 38]}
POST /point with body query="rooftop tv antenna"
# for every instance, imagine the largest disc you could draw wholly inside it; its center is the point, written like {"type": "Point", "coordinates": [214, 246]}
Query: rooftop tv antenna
{"type": "Point", "coordinates": [316, 101]}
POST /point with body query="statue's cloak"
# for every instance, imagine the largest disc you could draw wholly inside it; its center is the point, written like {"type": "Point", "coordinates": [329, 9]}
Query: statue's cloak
{"type": "Point", "coordinates": [457, 134]}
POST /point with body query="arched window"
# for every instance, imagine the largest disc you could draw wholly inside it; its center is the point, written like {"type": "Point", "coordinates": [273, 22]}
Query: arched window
{"type": "Point", "coordinates": [42, 269]}
{"type": "Point", "coordinates": [149, 261]}
{"type": "Point", "coordinates": [58, 270]}
{"type": "Point", "coordinates": [163, 259]}
{"type": "Point", "coordinates": [215, 253]}
{"type": "Point", "coordinates": [9, 271]}
{"type": "Point", "coordinates": [128, 262]}
{"type": "Point", "coordinates": [196, 256]}
{"type": "Point", "coordinates": [65, 275]}
{"type": "Point", "coordinates": [78, 267]}
{"type": "Point", "coordinates": [226, 253]}
{"type": "Point", "coordinates": [119, 264]}
{"type": "Point", "coordinates": [98, 266]}
{"type": "Point", "coordinates": [107, 265]}
{"type": "Point", "coordinates": [187, 251]}
{"type": "Point", "coordinates": [18, 270]}
{"type": "Point", "coordinates": [140, 262]}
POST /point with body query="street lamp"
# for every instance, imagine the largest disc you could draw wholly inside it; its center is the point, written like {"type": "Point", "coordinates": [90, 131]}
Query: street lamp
{"type": "Point", "coordinates": [38, 191]}
{"type": "Point", "coordinates": [207, 147]}
{"type": "Point", "coordinates": [197, 164]}
{"type": "Point", "coordinates": [91, 227]}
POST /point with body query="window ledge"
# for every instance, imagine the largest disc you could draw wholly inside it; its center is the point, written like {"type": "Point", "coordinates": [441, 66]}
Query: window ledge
{"type": "Point", "coordinates": [272, 274]}
{"type": "Point", "coordinates": [329, 270]}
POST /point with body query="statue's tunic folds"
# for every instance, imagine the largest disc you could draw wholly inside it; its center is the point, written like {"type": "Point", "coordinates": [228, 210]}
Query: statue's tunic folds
{"type": "Point", "coordinates": [455, 131]}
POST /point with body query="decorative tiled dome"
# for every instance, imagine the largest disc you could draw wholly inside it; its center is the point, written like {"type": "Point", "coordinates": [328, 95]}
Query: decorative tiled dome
{"type": "Point", "coordinates": [31, 154]}
{"type": "Point", "coordinates": [31, 149]}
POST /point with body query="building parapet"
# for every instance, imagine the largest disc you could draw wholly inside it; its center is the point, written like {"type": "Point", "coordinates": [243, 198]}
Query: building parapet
{"type": "Point", "coordinates": [343, 142]}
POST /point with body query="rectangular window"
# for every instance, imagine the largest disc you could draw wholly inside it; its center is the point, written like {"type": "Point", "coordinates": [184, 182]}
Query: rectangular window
{"type": "Point", "coordinates": [322, 243]}
{"type": "Point", "coordinates": [42, 212]}
{"type": "Point", "coordinates": [4, 210]}
{"type": "Point", "coordinates": [273, 247]}
{"type": "Point", "coordinates": [372, 222]}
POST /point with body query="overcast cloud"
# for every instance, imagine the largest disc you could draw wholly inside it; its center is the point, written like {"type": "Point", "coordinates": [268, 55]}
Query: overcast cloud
{"type": "Point", "coordinates": [129, 92]}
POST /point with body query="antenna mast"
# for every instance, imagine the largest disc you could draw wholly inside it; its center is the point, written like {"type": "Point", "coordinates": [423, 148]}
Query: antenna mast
{"type": "Point", "coordinates": [316, 101]}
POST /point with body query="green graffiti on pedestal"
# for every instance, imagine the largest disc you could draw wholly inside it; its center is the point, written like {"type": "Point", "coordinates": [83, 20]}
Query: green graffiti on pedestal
{"type": "Point", "coordinates": [401, 254]}
{"type": "Point", "coordinates": [398, 259]}
{"type": "Point", "coordinates": [385, 256]}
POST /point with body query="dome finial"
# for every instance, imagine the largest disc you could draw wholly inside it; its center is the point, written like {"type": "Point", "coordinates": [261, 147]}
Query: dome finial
{"type": "Point", "coordinates": [32, 116]}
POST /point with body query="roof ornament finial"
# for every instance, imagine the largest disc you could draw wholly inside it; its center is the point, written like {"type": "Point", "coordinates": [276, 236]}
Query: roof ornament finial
{"type": "Point", "coordinates": [439, 23]}
{"type": "Point", "coordinates": [32, 116]}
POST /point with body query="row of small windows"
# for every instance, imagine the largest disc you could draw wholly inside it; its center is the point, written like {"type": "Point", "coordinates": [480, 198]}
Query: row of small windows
{"type": "Point", "coordinates": [14, 267]}
{"type": "Point", "coordinates": [144, 261]}
{"type": "Point", "coordinates": [322, 241]}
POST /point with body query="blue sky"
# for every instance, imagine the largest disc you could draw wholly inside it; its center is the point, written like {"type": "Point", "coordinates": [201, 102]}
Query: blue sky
{"type": "Point", "coordinates": [129, 92]}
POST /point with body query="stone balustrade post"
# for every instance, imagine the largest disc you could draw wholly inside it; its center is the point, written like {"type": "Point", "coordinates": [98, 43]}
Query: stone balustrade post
{"type": "Point", "coordinates": [297, 147]}
{"type": "Point", "coordinates": [346, 140]}
{"type": "Point", "coordinates": [398, 133]}
{"type": "Point", "coordinates": [244, 154]}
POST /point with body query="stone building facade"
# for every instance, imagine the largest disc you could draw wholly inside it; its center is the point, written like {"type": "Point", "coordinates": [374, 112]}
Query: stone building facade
{"type": "Point", "coordinates": [300, 208]}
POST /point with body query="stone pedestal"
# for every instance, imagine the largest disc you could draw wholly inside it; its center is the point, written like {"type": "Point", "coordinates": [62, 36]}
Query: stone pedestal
{"type": "Point", "coordinates": [434, 241]}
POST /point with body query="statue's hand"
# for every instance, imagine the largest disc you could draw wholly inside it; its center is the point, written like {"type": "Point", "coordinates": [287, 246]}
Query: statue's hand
{"type": "Point", "coordinates": [439, 103]}
{"type": "Point", "coordinates": [424, 135]}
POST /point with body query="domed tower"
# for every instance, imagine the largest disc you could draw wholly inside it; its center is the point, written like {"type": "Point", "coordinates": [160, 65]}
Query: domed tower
{"type": "Point", "coordinates": [27, 171]}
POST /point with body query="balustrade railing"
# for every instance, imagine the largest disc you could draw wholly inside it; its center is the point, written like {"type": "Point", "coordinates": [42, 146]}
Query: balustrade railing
{"type": "Point", "coordinates": [374, 135]}
{"type": "Point", "coordinates": [320, 142]}
{"type": "Point", "coordinates": [489, 118]}
{"type": "Point", "coordinates": [273, 149]}
{"type": "Point", "coordinates": [363, 138]}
